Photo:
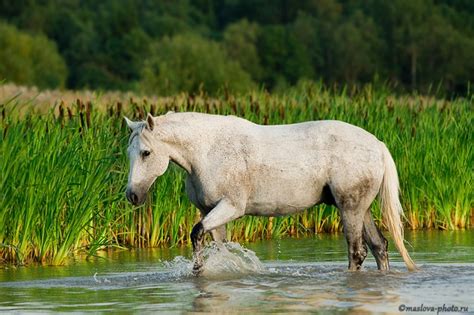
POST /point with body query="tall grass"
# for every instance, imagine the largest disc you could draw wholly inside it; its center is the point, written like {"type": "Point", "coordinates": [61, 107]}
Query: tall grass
{"type": "Point", "coordinates": [64, 172]}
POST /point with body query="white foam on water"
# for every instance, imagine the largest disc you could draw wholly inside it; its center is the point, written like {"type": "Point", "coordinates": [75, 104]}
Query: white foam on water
{"type": "Point", "coordinates": [219, 259]}
{"type": "Point", "coordinates": [228, 258]}
{"type": "Point", "coordinates": [179, 267]}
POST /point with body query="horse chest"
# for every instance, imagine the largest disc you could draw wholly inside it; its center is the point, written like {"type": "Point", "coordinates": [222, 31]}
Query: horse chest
{"type": "Point", "coordinates": [205, 196]}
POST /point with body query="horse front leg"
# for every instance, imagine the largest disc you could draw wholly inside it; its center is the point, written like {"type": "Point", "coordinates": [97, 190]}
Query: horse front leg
{"type": "Point", "coordinates": [197, 237]}
{"type": "Point", "coordinates": [221, 214]}
{"type": "Point", "coordinates": [219, 234]}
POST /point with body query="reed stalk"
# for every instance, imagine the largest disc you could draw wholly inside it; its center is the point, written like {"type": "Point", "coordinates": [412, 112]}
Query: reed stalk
{"type": "Point", "coordinates": [64, 172]}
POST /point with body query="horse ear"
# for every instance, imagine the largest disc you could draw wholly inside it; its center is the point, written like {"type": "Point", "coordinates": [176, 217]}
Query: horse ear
{"type": "Point", "coordinates": [150, 122]}
{"type": "Point", "coordinates": [131, 124]}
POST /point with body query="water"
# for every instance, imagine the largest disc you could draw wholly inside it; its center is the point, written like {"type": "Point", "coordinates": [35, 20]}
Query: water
{"type": "Point", "coordinates": [288, 275]}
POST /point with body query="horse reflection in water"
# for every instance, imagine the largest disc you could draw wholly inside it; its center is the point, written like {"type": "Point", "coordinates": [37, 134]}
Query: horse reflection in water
{"type": "Point", "coordinates": [235, 168]}
{"type": "Point", "coordinates": [282, 291]}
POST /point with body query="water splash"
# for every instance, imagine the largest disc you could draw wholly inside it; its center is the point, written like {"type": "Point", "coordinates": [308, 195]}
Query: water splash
{"type": "Point", "coordinates": [179, 267]}
{"type": "Point", "coordinates": [219, 259]}
{"type": "Point", "coordinates": [97, 280]}
{"type": "Point", "coordinates": [230, 258]}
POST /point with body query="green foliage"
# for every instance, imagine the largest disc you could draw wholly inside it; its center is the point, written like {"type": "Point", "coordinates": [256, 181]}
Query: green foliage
{"type": "Point", "coordinates": [413, 45]}
{"type": "Point", "coordinates": [191, 63]}
{"type": "Point", "coordinates": [356, 47]}
{"type": "Point", "coordinates": [30, 60]}
{"type": "Point", "coordinates": [64, 173]}
{"type": "Point", "coordinates": [283, 56]}
{"type": "Point", "coordinates": [240, 41]}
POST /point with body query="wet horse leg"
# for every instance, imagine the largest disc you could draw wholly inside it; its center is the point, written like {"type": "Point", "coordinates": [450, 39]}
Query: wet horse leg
{"type": "Point", "coordinates": [352, 221]}
{"type": "Point", "coordinates": [353, 198]}
{"type": "Point", "coordinates": [215, 220]}
{"type": "Point", "coordinates": [197, 238]}
{"type": "Point", "coordinates": [377, 243]}
{"type": "Point", "coordinates": [218, 234]}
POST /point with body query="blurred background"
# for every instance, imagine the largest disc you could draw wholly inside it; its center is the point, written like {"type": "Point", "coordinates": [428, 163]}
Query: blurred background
{"type": "Point", "coordinates": [165, 47]}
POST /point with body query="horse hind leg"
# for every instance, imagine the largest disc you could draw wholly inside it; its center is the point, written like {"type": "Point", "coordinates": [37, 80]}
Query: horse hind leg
{"type": "Point", "coordinates": [356, 248]}
{"type": "Point", "coordinates": [377, 243]}
{"type": "Point", "coordinates": [353, 202]}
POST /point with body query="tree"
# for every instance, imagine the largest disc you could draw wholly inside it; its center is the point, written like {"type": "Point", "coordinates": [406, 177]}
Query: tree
{"type": "Point", "coordinates": [191, 63]}
{"type": "Point", "coordinates": [356, 47]}
{"type": "Point", "coordinates": [409, 32]}
{"type": "Point", "coordinates": [412, 43]}
{"type": "Point", "coordinates": [446, 56]}
{"type": "Point", "coordinates": [240, 43]}
{"type": "Point", "coordinates": [327, 15]}
{"type": "Point", "coordinates": [306, 31]}
{"type": "Point", "coordinates": [30, 60]}
{"type": "Point", "coordinates": [283, 57]}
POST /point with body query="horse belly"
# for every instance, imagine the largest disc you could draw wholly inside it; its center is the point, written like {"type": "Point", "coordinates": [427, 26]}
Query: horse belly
{"type": "Point", "coordinates": [278, 197]}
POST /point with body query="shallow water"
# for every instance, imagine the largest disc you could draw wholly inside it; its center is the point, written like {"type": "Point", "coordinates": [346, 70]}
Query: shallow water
{"type": "Point", "coordinates": [269, 276]}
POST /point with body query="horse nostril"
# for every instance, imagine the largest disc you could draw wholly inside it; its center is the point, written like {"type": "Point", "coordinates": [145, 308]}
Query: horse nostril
{"type": "Point", "coordinates": [134, 198]}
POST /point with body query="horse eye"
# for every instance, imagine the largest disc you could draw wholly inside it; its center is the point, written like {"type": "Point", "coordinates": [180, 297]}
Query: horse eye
{"type": "Point", "coordinates": [145, 153]}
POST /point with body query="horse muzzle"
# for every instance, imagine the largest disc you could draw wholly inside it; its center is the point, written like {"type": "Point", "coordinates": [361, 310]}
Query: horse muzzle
{"type": "Point", "coordinates": [135, 198]}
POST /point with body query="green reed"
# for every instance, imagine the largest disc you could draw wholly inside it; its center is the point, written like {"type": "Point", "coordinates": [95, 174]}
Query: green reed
{"type": "Point", "coordinates": [64, 172]}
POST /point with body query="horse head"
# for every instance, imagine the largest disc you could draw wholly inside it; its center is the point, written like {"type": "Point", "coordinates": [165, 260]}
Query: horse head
{"type": "Point", "coordinates": [149, 158]}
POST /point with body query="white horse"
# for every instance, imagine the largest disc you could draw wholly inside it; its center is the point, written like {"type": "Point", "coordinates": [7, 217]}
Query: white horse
{"type": "Point", "coordinates": [237, 168]}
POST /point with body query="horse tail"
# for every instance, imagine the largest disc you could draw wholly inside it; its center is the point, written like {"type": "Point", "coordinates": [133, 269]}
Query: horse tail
{"type": "Point", "coordinates": [391, 207]}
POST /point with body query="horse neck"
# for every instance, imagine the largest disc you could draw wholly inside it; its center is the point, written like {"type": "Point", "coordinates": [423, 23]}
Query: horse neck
{"type": "Point", "coordinates": [181, 143]}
